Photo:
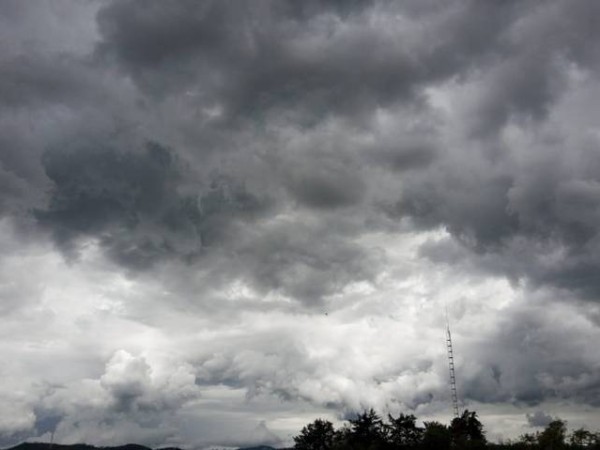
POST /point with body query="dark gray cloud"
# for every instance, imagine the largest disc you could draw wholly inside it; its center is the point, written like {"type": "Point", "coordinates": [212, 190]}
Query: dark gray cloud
{"type": "Point", "coordinates": [326, 190]}
{"type": "Point", "coordinates": [47, 421]}
{"type": "Point", "coordinates": [533, 360]}
{"type": "Point", "coordinates": [242, 56]}
{"type": "Point", "coordinates": [405, 157]}
{"type": "Point", "coordinates": [322, 59]}
{"type": "Point", "coordinates": [306, 263]}
{"type": "Point", "coordinates": [511, 221]}
{"type": "Point", "coordinates": [28, 80]}
{"type": "Point", "coordinates": [281, 56]}
{"type": "Point", "coordinates": [539, 419]}
{"type": "Point", "coordinates": [131, 202]}
{"type": "Point", "coordinates": [319, 179]}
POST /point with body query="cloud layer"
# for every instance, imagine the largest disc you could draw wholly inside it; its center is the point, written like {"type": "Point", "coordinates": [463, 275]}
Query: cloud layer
{"type": "Point", "coordinates": [220, 220]}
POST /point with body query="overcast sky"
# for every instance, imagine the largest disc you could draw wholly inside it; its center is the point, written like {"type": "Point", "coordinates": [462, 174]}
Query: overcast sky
{"type": "Point", "coordinates": [222, 220]}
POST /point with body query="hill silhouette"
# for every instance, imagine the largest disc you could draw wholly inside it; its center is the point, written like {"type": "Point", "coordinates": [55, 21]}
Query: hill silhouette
{"type": "Point", "coordinates": [48, 446]}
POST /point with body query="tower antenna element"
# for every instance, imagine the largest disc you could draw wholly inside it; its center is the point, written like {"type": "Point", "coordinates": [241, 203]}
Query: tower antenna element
{"type": "Point", "coordinates": [450, 351]}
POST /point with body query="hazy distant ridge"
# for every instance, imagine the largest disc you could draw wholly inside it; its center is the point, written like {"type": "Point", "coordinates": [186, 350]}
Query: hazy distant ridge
{"type": "Point", "coordinates": [47, 446]}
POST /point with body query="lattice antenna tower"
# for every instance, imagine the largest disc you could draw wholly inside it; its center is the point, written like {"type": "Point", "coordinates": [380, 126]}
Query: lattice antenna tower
{"type": "Point", "coordinates": [450, 350]}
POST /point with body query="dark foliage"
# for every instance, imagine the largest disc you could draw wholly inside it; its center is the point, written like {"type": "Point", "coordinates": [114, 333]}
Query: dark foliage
{"type": "Point", "coordinates": [403, 432]}
{"type": "Point", "coordinates": [367, 431]}
{"type": "Point", "coordinates": [319, 435]}
{"type": "Point", "coordinates": [467, 431]}
{"type": "Point", "coordinates": [436, 436]}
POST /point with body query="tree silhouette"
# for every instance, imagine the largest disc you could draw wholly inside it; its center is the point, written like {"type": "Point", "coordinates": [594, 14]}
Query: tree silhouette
{"type": "Point", "coordinates": [367, 430]}
{"type": "Point", "coordinates": [553, 436]}
{"type": "Point", "coordinates": [583, 439]}
{"type": "Point", "coordinates": [402, 431]}
{"type": "Point", "coordinates": [527, 440]}
{"type": "Point", "coordinates": [318, 435]}
{"type": "Point", "coordinates": [436, 436]}
{"type": "Point", "coordinates": [467, 431]}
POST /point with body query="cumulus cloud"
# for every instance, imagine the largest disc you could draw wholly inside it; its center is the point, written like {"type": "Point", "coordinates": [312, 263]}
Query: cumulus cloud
{"type": "Point", "coordinates": [130, 400]}
{"type": "Point", "coordinates": [539, 419]}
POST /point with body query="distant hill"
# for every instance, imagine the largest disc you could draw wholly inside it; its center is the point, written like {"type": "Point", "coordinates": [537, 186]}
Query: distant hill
{"type": "Point", "coordinates": [47, 446]}
{"type": "Point", "coordinates": [258, 447]}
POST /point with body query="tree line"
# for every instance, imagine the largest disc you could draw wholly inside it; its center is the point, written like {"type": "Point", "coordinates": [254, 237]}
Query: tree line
{"type": "Point", "coordinates": [369, 431]}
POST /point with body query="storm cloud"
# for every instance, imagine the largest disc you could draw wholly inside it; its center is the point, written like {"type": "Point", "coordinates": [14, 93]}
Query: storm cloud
{"type": "Point", "coordinates": [221, 219]}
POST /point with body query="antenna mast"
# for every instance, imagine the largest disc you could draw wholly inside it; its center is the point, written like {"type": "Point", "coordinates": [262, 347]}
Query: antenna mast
{"type": "Point", "coordinates": [451, 367]}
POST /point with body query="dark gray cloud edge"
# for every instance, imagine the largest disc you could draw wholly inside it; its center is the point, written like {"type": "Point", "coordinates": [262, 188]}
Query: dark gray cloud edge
{"type": "Point", "coordinates": [131, 201]}
{"type": "Point", "coordinates": [262, 60]}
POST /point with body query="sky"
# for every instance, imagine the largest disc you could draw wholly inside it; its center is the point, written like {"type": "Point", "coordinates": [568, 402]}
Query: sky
{"type": "Point", "coordinates": [220, 220]}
